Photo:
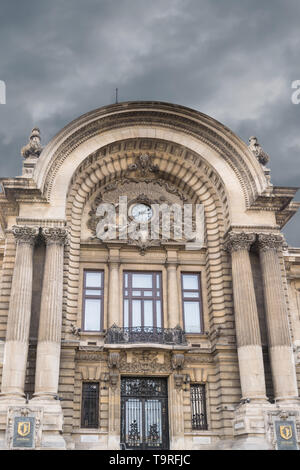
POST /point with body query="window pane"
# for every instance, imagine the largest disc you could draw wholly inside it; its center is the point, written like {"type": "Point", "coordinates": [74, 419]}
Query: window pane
{"type": "Point", "coordinates": [93, 292]}
{"type": "Point", "coordinates": [158, 314]}
{"type": "Point", "coordinates": [142, 280]}
{"type": "Point", "coordinates": [192, 317]}
{"type": "Point", "coordinates": [136, 313]}
{"type": "Point", "coordinates": [93, 279]}
{"type": "Point", "coordinates": [190, 281]}
{"type": "Point", "coordinates": [136, 292]}
{"type": "Point", "coordinates": [126, 317]}
{"type": "Point", "coordinates": [191, 294]}
{"type": "Point", "coordinates": [148, 293]}
{"type": "Point", "coordinates": [92, 314]}
{"type": "Point", "coordinates": [126, 280]}
{"type": "Point", "coordinates": [158, 281]}
{"type": "Point", "coordinates": [148, 313]}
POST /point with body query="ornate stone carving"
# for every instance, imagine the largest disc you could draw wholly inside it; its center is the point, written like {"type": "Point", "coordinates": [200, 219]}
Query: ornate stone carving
{"type": "Point", "coordinates": [113, 380]}
{"type": "Point", "coordinates": [270, 241]}
{"type": "Point", "coordinates": [257, 151]}
{"type": "Point", "coordinates": [113, 360]}
{"type": "Point", "coordinates": [145, 362]}
{"type": "Point", "coordinates": [239, 241]}
{"type": "Point", "coordinates": [33, 148]}
{"type": "Point", "coordinates": [143, 164]}
{"type": "Point", "coordinates": [25, 234]}
{"type": "Point", "coordinates": [177, 361]}
{"type": "Point", "coordinates": [179, 380]}
{"type": "Point", "coordinates": [147, 191]}
{"type": "Point", "coordinates": [55, 235]}
{"type": "Point", "coordinates": [36, 413]}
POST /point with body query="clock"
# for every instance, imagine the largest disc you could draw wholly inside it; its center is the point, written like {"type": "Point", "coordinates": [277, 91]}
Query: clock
{"type": "Point", "coordinates": [141, 212]}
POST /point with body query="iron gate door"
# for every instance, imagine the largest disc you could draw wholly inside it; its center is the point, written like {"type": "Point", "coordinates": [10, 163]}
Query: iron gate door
{"type": "Point", "coordinates": [144, 413]}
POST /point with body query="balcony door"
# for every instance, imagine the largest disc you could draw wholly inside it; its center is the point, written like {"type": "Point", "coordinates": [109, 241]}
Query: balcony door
{"type": "Point", "coordinates": [142, 293]}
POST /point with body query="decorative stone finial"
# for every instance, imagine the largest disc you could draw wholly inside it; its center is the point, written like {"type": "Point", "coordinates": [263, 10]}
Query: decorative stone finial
{"type": "Point", "coordinates": [33, 148]}
{"type": "Point", "coordinates": [257, 151]}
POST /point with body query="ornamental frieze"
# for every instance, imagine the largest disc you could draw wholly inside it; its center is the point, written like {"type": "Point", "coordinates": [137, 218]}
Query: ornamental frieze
{"type": "Point", "coordinates": [145, 362]}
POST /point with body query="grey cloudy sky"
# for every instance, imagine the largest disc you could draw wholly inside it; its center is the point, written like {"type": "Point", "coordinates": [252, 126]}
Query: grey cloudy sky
{"type": "Point", "coordinates": [233, 60]}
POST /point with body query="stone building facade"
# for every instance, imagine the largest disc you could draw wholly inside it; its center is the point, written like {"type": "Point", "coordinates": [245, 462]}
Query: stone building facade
{"type": "Point", "coordinates": [147, 343]}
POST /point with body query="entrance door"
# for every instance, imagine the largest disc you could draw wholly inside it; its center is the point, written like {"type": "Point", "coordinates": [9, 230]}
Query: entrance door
{"type": "Point", "coordinates": [144, 413]}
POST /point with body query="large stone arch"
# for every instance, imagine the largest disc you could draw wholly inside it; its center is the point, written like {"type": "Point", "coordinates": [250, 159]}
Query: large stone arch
{"type": "Point", "coordinates": [200, 183]}
{"type": "Point", "coordinates": [230, 158]}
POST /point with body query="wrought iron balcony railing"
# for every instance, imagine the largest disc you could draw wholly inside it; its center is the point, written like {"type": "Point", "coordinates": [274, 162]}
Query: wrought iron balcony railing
{"type": "Point", "coordinates": [145, 334]}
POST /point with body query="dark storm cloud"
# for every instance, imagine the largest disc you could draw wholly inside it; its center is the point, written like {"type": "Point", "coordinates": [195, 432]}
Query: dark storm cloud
{"type": "Point", "coordinates": [230, 59]}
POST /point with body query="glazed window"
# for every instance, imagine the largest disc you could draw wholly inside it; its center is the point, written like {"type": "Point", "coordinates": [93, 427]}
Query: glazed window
{"type": "Point", "coordinates": [191, 302]}
{"type": "Point", "coordinates": [90, 405]}
{"type": "Point", "coordinates": [142, 299]}
{"type": "Point", "coordinates": [93, 300]}
{"type": "Point", "coordinates": [198, 407]}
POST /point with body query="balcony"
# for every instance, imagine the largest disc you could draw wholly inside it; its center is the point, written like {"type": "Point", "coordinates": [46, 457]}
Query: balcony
{"type": "Point", "coordinates": [145, 334]}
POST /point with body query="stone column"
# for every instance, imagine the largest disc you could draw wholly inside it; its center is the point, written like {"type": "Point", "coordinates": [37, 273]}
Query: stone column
{"type": "Point", "coordinates": [114, 314]}
{"type": "Point", "coordinates": [280, 348]}
{"type": "Point", "coordinates": [173, 295]}
{"type": "Point", "coordinates": [17, 335]}
{"type": "Point", "coordinates": [49, 337]}
{"type": "Point", "coordinates": [246, 318]}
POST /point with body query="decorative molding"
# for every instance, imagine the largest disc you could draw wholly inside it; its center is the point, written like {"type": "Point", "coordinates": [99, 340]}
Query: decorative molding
{"type": "Point", "coordinates": [90, 372]}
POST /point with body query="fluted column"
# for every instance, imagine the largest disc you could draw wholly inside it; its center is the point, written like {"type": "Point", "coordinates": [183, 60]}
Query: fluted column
{"type": "Point", "coordinates": [114, 289]}
{"type": "Point", "coordinates": [280, 348]}
{"type": "Point", "coordinates": [17, 335]}
{"type": "Point", "coordinates": [49, 337]}
{"type": "Point", "coordinates": [172, 286]}
{"type": "Point", "coordinates": [246, 318]}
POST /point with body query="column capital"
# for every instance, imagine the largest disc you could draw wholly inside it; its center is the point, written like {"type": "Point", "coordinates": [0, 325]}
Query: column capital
{"type": "Point", "coordinates": [55, 235]}
{"type": "Point", "coordinates": [24, 234]}
{"type": "Point", "coordinates": [270, 241]}
{"type": "Point", "coordinates": [239, 241]}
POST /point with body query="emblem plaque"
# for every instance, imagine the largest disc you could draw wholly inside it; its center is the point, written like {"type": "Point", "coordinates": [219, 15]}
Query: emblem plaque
{"type": "Point", "coordinates": [23, 435]}
{"type": "Point", "coordinates": [286, 435]}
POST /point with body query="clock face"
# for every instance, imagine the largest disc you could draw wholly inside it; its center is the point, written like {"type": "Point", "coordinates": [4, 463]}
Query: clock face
{"type": "Point", "coordinates": [141, 212]}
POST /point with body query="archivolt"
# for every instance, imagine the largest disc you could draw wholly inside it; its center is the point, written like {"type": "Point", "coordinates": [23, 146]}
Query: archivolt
{"type": "Point", "coordinates": [153, 115]}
